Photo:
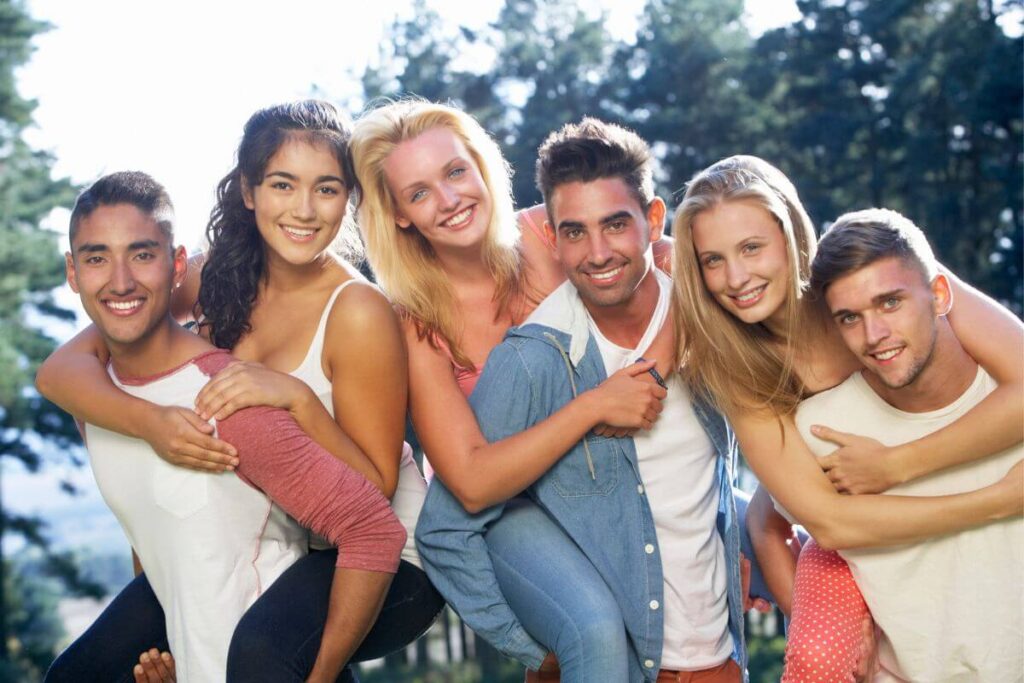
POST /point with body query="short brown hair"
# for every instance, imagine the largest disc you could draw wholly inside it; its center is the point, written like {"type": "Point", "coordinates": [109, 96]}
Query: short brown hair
{"type": "Point", "coordinates": [859, 238]}
{"type": "Point", "coordinates": [593, 149]}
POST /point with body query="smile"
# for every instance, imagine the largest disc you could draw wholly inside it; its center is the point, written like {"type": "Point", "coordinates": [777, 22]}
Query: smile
{"type": "Point", "coordinates": [124, 307]}
{"type": "Point", "coordinates": [459, 220]}
{"type": "Point", "coordinates": [749, 297]}
{"type": "Point", "coordinates": [299, 234]}
{"type": "Point", "coordinates": [887, 355]}
{"type": "Point", "coordinates": [606, 276]}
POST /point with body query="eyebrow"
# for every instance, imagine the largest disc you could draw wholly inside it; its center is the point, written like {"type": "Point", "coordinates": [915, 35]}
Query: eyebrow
{"type": "Point", "coordinates": [875, 300]}
{"type": "Point", "coordinates": [94, 247]}
{"type": "Point", "coordinates": [291, 176]}
{"type": "Point", "coordinates": [419, 183]}
{"type": "Point", "coordinates": [617, 216]}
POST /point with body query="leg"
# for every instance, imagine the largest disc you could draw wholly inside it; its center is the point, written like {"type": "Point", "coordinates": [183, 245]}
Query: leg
{"type": "Point", "coordinates": [278, 637]}
{"type": "Point", "coordinates": [110, 648]}
{"type": "Point", "coordinates": [758, 586]}
{"type": "Point", "coordinates": [558, 595]}
{"type": "Point", "coordinates": [826, 631]}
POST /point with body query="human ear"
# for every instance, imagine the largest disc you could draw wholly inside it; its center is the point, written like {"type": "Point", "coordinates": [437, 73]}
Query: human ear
{"type": "Point", "coordinates": [402, 222]}
{"type": "Point", "coordinates": [180, 266]}
{"type": "Point", "coordinates": [247, 196]}
{"type": "Point", "coordinates": [69, 269]}
{"type": "Point", "coordinates": [656, 218]}
{"type": "Point", "coordinates": [942, 295]}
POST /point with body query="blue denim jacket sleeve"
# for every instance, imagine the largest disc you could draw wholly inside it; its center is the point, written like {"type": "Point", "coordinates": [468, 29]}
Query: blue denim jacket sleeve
{"type": "Point", "coordinates": [451, 541]}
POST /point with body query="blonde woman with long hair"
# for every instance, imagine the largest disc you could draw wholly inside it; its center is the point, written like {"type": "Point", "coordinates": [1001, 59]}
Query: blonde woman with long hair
{"type": "Point", "coordinates": [755, 345]}
{"type": "Point", "coordinates": [447, 248]}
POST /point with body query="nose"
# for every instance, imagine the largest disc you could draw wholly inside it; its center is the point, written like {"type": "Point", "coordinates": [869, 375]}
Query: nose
{"type": "Point", "coordinates": [122, 281]}
{"type": "Point", "coordinates": [736, 274]}
{"type": "Point", "coordinates": [303, 208]}
{"type": "Point", "coordinates": [449, 197]}
{"type": "Point", "coordinates": [875, 330]}
{"type": "Point", "coordinates": [600, 252]}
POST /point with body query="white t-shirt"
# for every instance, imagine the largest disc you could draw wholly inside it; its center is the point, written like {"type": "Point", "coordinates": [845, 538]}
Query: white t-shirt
{"type": "Point", "coordinates": [210, 543]}
{"type": "Point", "coordinates": [950, 608]}
{"type": "Point", "coordinates": [677, 465]}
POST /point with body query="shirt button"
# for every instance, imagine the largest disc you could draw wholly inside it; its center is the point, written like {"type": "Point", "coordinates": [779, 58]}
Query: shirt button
{"type": "Point", "coordinates": [640, 490]}
{"type": "Point", "coordinates": [654, 604]}
{"type": "Point", "coordinates": [649, 548]}
{"type": "Point", "coordinates": [649, 663]}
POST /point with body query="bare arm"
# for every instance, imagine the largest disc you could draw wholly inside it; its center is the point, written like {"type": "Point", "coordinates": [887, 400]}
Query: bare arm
{"type": "Point", "coordinates": [771, 535]}
{"type": "Point", "coordinates": [75, 378]}
{"type": "Point", "coordinates": [481, 474]}
{"type": "Point", "coordinates": [995, 338]}
{"type": "Point", "coordinates": [788, 470]}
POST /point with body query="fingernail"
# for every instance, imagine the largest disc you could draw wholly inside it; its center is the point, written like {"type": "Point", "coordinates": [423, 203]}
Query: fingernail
{"type": "Point", "coordinates": [138, 669]}
{"type": "Point", "coordinates": [815, 429]}
{"type": "Point", "coordinates": [145, 657]}
{"type": "Point", "coordinates": [166, 656]}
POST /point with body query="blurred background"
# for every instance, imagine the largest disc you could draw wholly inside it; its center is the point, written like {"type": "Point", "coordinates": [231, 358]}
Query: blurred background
{"type": "Point", "coordinates": [914, 105]}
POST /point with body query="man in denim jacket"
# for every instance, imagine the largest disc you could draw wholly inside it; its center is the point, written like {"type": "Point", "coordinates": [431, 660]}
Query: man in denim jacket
{"type": "Point", "coordinates": [650, 519]}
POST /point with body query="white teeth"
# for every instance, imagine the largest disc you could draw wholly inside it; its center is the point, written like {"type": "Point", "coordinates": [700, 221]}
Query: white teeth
{"type": "Point", "coordinates": [751, 295]}
{"type": "Point", "coordinates": [124, 305]}
{"type": "Point", "coordinates": [606, 276]}
{"type": "Point", "coordinates": [886, 355]}
{"type": "Point", "coordinates": [298, 232]}
{"type": "Point", "coordinates": [459, 217]}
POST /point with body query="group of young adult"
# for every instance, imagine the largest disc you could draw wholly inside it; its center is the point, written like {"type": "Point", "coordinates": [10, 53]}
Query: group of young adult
{"type": "Point", "coordinates": [579, 388]}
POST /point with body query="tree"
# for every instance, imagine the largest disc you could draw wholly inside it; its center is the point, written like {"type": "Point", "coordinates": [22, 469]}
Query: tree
{"type": "Point", "coordinates": [29, 270]}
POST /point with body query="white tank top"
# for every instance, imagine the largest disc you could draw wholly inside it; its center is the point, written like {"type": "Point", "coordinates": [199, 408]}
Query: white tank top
{"type": "Point", "coordinates": [412, 488]}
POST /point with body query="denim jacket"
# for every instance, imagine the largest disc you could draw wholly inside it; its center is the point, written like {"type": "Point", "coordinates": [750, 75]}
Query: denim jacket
{"type": "Point", "coordinates": [594, 492]}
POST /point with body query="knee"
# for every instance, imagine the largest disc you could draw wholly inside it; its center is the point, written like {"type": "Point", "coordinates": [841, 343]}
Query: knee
{"type": "Point", "coordinates": [816, 656]}
{"type": "Point", "coordinates": [70, 666]}
{"type": "Point", "coordinates": [252, 653]}
{"type": "Point", "coordinates": [598, 638]}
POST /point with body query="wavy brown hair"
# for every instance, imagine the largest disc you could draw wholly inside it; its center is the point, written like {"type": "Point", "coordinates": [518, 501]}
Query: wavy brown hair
{"type": "Point", "coordinates": [236, 263]}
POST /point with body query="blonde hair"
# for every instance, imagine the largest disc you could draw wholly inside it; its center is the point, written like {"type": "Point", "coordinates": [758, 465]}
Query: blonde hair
{"type": "Point", "coordinates": [737, 366]}
{"type": "Point", "coordinates": [403, 260]}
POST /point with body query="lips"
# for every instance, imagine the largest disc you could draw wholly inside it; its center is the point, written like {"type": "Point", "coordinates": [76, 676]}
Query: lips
{"type": "Point", "coordinates": [750, 297]}
{"type": "Point", "coordinates": [606, 277]}
{"type": "Point", "coordinates": [887, 355]}
{"type": "Point", "coordinates": [299, 234]}
{"type": "Point", "coordinates": [125, 307]}
{"type": "Point", "coordinates": [461, 219]}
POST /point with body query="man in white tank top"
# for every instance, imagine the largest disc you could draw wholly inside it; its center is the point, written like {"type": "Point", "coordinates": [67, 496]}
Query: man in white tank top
{"type": "Point", "coordinates": [950, 608]}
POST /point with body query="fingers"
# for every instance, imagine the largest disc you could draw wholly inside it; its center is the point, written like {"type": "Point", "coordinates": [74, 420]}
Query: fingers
{"type": "Point", "coordinates": [204, 439]}
{"type": "Point", "coordinates": [833, 435]}
{"type": "Point", "coordinates": [154, 667]}
{"type": "Point", "coordinates": [638, 368]}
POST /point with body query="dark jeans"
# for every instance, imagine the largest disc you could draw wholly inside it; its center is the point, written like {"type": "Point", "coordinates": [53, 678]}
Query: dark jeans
{"type": "Point", "coordinates": [276, 640]}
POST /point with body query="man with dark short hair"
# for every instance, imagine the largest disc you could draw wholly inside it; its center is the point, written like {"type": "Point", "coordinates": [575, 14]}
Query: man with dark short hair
{"type": "Point", "coordinates": [653, 514]}
{"type": "Point", "coordinates": [209, 543]}
{"type": "Point", "coordinates": [950, 608]}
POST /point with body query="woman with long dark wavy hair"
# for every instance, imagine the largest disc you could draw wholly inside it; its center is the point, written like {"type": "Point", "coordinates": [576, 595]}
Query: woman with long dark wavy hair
{"type": "Point", "coordinates": [313, 337]}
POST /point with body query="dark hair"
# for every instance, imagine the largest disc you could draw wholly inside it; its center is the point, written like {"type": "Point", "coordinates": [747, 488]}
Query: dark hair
{"type": "Point", "coordinates": [125, 187]}
{"type": "Point", "coordinates": [235, 262]}
{"type": "Point", "coordinates": [860, 238]}
{"type": "Point", "coordinates": [591, 150]}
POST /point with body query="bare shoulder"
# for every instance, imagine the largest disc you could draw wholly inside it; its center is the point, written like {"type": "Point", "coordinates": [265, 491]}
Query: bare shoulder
{"type": "Point", "coordinates": [362, 309]}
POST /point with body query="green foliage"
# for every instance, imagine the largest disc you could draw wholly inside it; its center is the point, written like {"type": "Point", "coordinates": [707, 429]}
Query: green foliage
{"type": "Point", "coordinates": [29, 270]}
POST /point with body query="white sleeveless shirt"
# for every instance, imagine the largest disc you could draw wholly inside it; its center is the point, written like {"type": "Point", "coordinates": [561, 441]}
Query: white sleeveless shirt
{"type": "Point", "coordinates": [412, 488]}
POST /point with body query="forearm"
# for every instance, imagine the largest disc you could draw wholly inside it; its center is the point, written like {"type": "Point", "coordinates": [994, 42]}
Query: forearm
{"type": "Point", "coordinates": [315, 421]}
{"type": "Point", "coordinates": [770, 534]}
{"type": "Point", "coordinates": [356, 599]}
{"type": "Point", "coordinates": [92, 396]}
{"type": "Point", "coordinates": [992, 426]}
{"type": "Point", "coordinates": [494, 472]}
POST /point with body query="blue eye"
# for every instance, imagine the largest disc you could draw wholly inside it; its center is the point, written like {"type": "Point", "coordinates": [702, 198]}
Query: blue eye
{"type": "Point", "coordinates": [456, 172]}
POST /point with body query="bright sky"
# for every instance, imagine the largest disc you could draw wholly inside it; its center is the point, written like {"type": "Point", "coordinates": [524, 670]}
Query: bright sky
{"type": "Point", "coordinates": [165, 87]}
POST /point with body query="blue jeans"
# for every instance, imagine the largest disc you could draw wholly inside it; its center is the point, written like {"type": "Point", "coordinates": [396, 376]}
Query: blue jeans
{"type": "Point", "coordinates": [558, 595]}
{"type": "Point", "coordinates": [560, 598]}
{"type": "Point", "coordinates": [276, 640]}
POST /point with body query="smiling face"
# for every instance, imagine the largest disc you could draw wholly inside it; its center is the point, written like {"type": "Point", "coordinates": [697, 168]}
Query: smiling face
{"type": "Point", "coordinates": [123, 267]}
{"type": "Point", "coordinates": [887, 313]}
{"type": "Point", "coordinates": [300, 203]}
{"type": "Point", "coordinates": [438, 189]}
{"type": "Point", "coordinates": [742, 255]}
{"type": "Point", "coordinates": [603, 239]}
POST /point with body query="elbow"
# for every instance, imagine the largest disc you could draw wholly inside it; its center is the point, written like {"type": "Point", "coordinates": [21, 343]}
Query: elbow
{"type": "Point", "coordinates": [831, 536]}
{"type": "Point", "coordinates": [387, 486]}
{"type": "Point", "coordinates": [468, 498]}
{"type": "Point", "coordinates": [44, 380]}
